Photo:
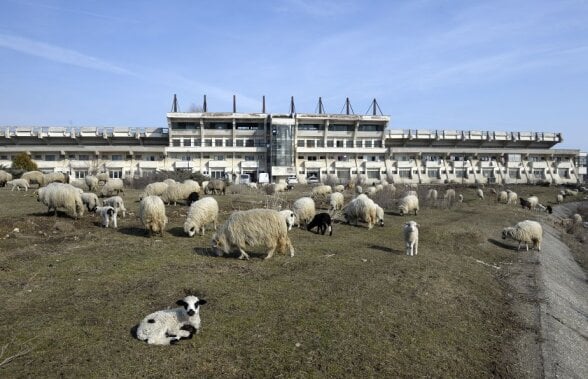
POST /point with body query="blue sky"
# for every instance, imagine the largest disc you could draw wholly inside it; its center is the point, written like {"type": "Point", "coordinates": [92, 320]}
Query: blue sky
{"type": "Point", "coordinates": [488, 65]}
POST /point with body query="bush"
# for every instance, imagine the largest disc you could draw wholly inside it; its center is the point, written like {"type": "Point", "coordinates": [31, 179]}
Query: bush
{"type": "Point", "coordinates": [23, 161]}
{"type": "Point", "coordinates": [160, 176]}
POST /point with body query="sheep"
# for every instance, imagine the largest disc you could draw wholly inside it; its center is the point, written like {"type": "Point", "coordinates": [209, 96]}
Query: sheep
{"type": "Point", "coordinates": [289, 217]}
{"type": "Point", "coordinates": [449, 196]}
{"type": "Point", "coordinates": [108, 215]}
{"type": "Point", "coordinates": [460, 198]}
{"type": "Point", "coordinates": [90, 200]}
{"type": "Point", "coordinates": [216, 187]}
{"type": "Point", "coordinates": [432, 196]}
{"type": "Point", "coordinates": [18, 184]}
{"type": "Point", "coordinates": [154, 189]}
{"type": "Point", "coordinates": [116, 202]}
{"type": "Point", "coordinates": [322, 222]}
{"type": "Point", "coordinates": [91, 182]}
{"type": "Point", "coordinates": [480, 194]}
{"type": "Point", "coordinates": [201, 213]}
{"type": "Point", "coordinates": [170, 181]}
{"type": "Point", "coordinates": [111, 186]}
{"type": "Point", "coordinates": [411, 193]}
{"type": "Point", "coordinates": [533, 201]}
{"type": "Point", "coordinates": [525, 232]}
{"type": "Point", "coordinates": [408, 204]}
{"type": "Point", "coordinates": [34, 177]}
{"type": "Point", "coordinates": [379, 215]}
{"type": "Point", "coordinates": [4, 177]}
{"type": "Point", "coordinates": [336, 201]}
{"type": "Point", "coordinates": [321, 191]}
{"type": "Point", "coordinates": [358, 190]}
{"type": "Point", "coordinates": [58, 195]}
{"type": "Point", "coordinates": [192, 184]}
{"type": "Point", "coordinates": [102, 177]}
{"type": "Point", "coordinates": [361, 208]}
{"type": "Point", "coordinates": [502, 197]}
{"type": "Point", "coordinates": [339, 188]}
{"type": "Point", "coordinates": [254, 227]}
{"type": "Point", "coordinates": [370, 191]}
{"type": "Point", "coordinates": [512, 197]}
{"type": "Point", "coordinates": [304, 209]}
{"type": "Point", "coordinates": [193, 197]}
{"type": "Point", "coordinates": [275, 188]}
{"type": "Point", "coordinates": [577, 218]}
{"type": "Point", "coordinates": [167, 327]}
{"type": "Point", "coordinates": [411, 237]}
{"type": "Point", "coordinates": [152, 214]}
{"type": "Point", "coordinates": [559, 198]}
{"type": "Point", "coordinates": [524, 203]}
{"type": "Point", "coordinates": [379, 187]}
{"type": "Point", "coordinates": [570, 192]}
{"type": "Point", "coordinates": [176, 192]}
{"type": "Point", "coordinates": [204, 185]}
{"type": "Point", "coordinates": [492, 191]}
{"type": "Point", "coordinates": [78, 183]}
{"type": "Point", "coordinates": [53, 177]}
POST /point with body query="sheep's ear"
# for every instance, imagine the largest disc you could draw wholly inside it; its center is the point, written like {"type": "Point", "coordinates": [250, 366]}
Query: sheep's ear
{"type": "Point", "coordinates": [181, 303]}
{"type": "Point", "coordinates": [201, 302]}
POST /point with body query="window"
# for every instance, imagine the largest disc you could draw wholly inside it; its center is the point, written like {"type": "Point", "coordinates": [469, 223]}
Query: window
{"type": "Point", "coordinates": [311, 127]}
{"type": "Point", "coordinates": [378, 143]}
{"type": "Point", "coordinates": [115, 174]}
{"type": "Point", "coordinates": [219, 157]}
{"type": "Point", "coordinates": [404, 173]}
{"type": "Point", "coordinates": [176, 142]}
{"type": "Point", "coordinates": [300, 143]}
{"type": "Point", "coordinates": [488, 173]}
{"type": "Point", "coordinates": [116, 157]}
{"type": "Point", "coordinates": [360, 157]}
{"type": "Point", "coordinates": [514, 157]}
{"type": "Point", "coordinates": [229, 143]}
{"type": "Point", "coordinates": [250, 157]}
{"type": "Point", "coordinates": [320, 143]}
{"type": "Point", "coordinates": [310, 143]}
{"type": "Point", "coordinates": [49, 157]}
{"type": "Point", "coordinates": [514, 173]}
{"type": "Point", "coordinates": [349, 143]}
{"type": "Point", "coordinates": [80, 174]}
{"type": "Point", "coordinates": [208, 142]}
{"type": "Point", "coordinates": [311, 158]}
{"type": "Point", "coordinates": [186, 158]}
{"type": "Point", "coordinates": [370, 128]}
{"type": "Point", "coordinates": [341, 128]}
{"type": "Point", "coordinates": [322, 157]}
{"type": "Point", "coordinates": [539, 174]}
{"type": "Point", "coordinates": [460, 173]}
{"type": "Point", "coordinates": [218, 142]}
{"type": "Point", "coordinates": [138, 157]}
{"type": "Point", "coordinates": [433, 173]}
{"type": "Point", "coordinates": [563, 172]}
{"type": "Point", "coordinates": [330, 143]}
{"type": "Point", "coordinates": [367, 143]}
{"type": "Point", "coordinates": [4, 157]}
{"type": "Point", "coordinates": [71, 156]}
{"type": "Point", "coordinates": [187, 142]}
{"type": "Point", "coordinates": [197, 142]}
{"type": "Point", "coordinates": [339, 143]}
{"type": "Point", "coordinates": [249, 142]}
{"type": "Point", "coordinates": [343, 158]}
{"type": "Point", "coordinates": [373, 174]}
{"type": "Point", "coordinates": [206, 156]}
{"type": "Point", "coordinates": [217, 174]}
{"type": "Point", "coordinates": [239, 143]}
{"type": "Point", "coordinates": [301, 157]}
{"type": "Point", "coordinates": [37, 156]}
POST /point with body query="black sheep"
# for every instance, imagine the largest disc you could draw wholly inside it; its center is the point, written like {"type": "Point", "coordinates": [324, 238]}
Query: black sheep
{"type": "Point", "coordinates": [193, 197]}
{"type": "Point", "coordinates": [321, 221]}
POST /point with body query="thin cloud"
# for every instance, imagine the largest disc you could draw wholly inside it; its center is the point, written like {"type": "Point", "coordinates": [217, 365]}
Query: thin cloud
{"type": "Point", "coordinates": [77, 11]}
{"type": "Point", "coordinates": [316, 7]}
{"type": "Point", "coordinates": [58, 54]}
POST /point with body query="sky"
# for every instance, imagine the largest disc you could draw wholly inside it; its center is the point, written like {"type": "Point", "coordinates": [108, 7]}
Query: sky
{"type": "Point", "coordinates": [510, 65]}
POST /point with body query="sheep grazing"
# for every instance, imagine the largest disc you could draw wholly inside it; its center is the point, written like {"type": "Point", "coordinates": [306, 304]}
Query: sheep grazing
{"type": "Point", "coordinates": [526, 232]}
{"type": "Point", "coordinates": [192, 184]}
{"type": "Point", "coordinates": [532, 202]}
{"type": "Point", "coordinates": [192, 197]}
{"type": "Point", "coordinates": [254, 227]}
{"type": "Point", "coordinates": [321, 192]}
{"type": "Point", "coordinates": [90, 200]}
{"type": "Point", "coordinates": [91, 182]}
{"type": "Point", "coordinates": [112, 187]}
{"type": "Point", "coordinates": [18, 184]}
{"type": "Point", "coordinates": [480, 194]}
{"type": "Point", "coordinates": [55, 177]}
{"type": "Point", "coordinates": [408, 204]}
{"type": "Point", "coordinates": [361, 208]}
{"type": "Point", "coordinates": [460, 198]}
{"type": "Point", "coordinates": [304, 209]}
{"type": "Point", "coordinates": [321, 222]}
{"type": "Point", "coordinates": [78, 183]}
{"type": "Point", "coordinates": [170, 181]}
{"type": "Point", "coordinates": [108, 215]}
{"type": "Point", "coordinates": [577, 218]}
{"type": "Point", "coordinates": [502, 197]}
{"type": "Point", "coordinates": [411, 238]}
{"type": "Point", "coordinates": [339, 188]}
{"type": "Point", "coordinates": [379, 215]}
{"type": "Point", "coordinates": [4, 177]}
{"type": "Point", "coordinates": [102, 177]}
{"type": "Point", "coordinates": [152, 214]}
{"type": "Point", "coordinates": [153, 189]}
{"type": "Point", "coordinates": [432, 196]}
{"type": "Point", "coordinates": [449, 196]}
{"type": "Point", "coordinates": [167, 327]}
{"type": "Point", "coordinates": [201, 213]}
{"type": "Point", "coordinates": [358, 190]}
{"type": "Point", "coordinates": [176, 192]}
{"type": "Point", "coordinates": [289, 217]}
{"type": "Point", "coordinates": [216, 187]}
{"type": "Point", "coordinates": [116, 202]}
{"type": "Point", "coordinates": [512, 197]}
{"type": "Point", "coordinates": [524, 203]}
{"type": "Point", "coordinates": [336, 201]}
{"type": "Point", "coordinates": [559, 198]}
{"type": "Point", "coordinates": [58, 195]}
{"type": "Point", "coordinates": [274, 188]}
{"type": "Point", "coordinates": [34, 177]}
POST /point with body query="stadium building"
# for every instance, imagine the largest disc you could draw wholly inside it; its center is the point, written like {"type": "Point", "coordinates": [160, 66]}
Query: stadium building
{"type": "Point", "coordinates": [325, 146]}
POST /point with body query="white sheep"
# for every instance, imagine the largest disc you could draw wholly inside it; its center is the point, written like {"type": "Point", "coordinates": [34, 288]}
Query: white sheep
{"type": "Point", "coordinates": [90, 200]}
{"type": "Point", "coordinates": [502, 197]}
{"type": "Point", "coordinates": [411, 193]}
{"type": "Point", "coordinates": [154, 189]}
{"type": "Point", "coordinates": [533, 201]}
{"type": "Point", "coordinates": [275, 188]}
{"type": "Point", "coordinates": [379, 215]}
{"type": "Point", "coordinates": [204, 185]}
{"type": "Point", "coordinates": [116, 202]}
{"type": "Point", "coordinates": [18, 184]}
{"type": "Point", "coordinates": [525, 232]}
{"type": "Point", "coordinates": [55, 177]}
{"type": "Point", "coordinates": [34, 177]}
{"type": "Point", "coordinates": [362, 208]}
{"type": "Point", "coordinates": [108, 215]}
{"type": "Point", "coordinates": [58, 195]}
{"type": "Point", "coordinates": [91, 182]}
{"type": "Point", "coordinates": [339, 188]}
{"type": "Point", "coordinates": [167, 327]}
{"type": "Point", "coordinates": [112, 186]}
{"type": "Point", "coordinates": [577, 218]}
{"type": "Point", "coordinates": [370, 191]}
{"type": "Point", "coordinates": [201, 213]}
{"type": "Point", "coordinates": [358, 190]}
{"type": "Point", "coordinates": [192, 185]}
{"type": "Point", "coordinates": [480, 194]}
{"type": "Point", "coordinates": [460, 198]}
{"type": "Point", "coordinates": [321, 191]}
{"type": "Point", "coordinates": [102, 177]}
{"type": "Point", "coordinates": [379, 187]}
{"type": "Point", "coordinates": [432, 196]}
{"type": "Point", "coordinates": [570, 192]}
{"type": "Point", "coordinates": [289, 217]}
{"type": "Point", "coordinates": [411, 237]}
{"type": "Point", "coordinates": [304, 209]}
{"type": "Point", "coordinates": [449, 196]}
{"type": "Point", "coordinates": [408, 204]}
{"type": "Point", "coordinates": [336, 201]}
{"type": "Point", "coordinates": [512, 197]}
{"type": "Point", "coordinates": [169, 181]}
{"type": "Point", "coordinates": [152, 214]}
{"type": "Point", "coordinates": [251, 228]}
{"type": "Point", "coordinates": [79, 183]}
{"type": "Point", "coordinates": [4, 177]}
{"type": "Point", "coordinates": [559, 198]}
{"type": "Point", "coordinates": [176, 192]}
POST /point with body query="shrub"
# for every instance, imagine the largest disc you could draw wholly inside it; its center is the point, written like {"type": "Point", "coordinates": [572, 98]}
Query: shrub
{"type": "Point", "coordinates": [23, 161]}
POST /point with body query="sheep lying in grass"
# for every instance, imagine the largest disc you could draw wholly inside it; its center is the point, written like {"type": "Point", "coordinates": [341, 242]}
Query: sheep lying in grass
{"type": "Point", "coordinates": [58, 195]}
{"type": "Point", "coordinates": [91, 182]}
{"type": "Point", "coordinates": [304, 209]}
{"type": "Point", "coordinates": [289, 217]}
{"type": "Point", "coordinates": [321, 222]}
{"type": "Point", "coordinates": [4, 177]}
{"type": "Point", "coordinates": [254, 227]}
{"type": "Point", "coordinates": [108, 215]}
{"type": "Point", "coordinates": [116, 202]}
{"type": "Point", "coordinates": [408, 204]}
{"type": "Point", "coordinates": [167, 327]}
{"type": "Point", "coordinates": [90, 200]}
{"type": "Point", "coordinates": [152, 214]}
{"type": "Point", "coordinates": [18, 184]}
{"type": "Point", "coordinates": [336, 201]}
{"type": "Point", "coordinates": [526, 232]}
{"type": "Point", "coordinates": [411, 237]}
{"type": "Point", "coordinates": [361, 208]}
{"type": "Point", "coordinates": [112, 187]}
{"type": "Point", "coordinates": [201, 213]}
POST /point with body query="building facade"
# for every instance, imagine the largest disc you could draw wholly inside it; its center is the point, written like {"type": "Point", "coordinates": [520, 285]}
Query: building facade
{"type": "Point", "coordinates": [336, 147]}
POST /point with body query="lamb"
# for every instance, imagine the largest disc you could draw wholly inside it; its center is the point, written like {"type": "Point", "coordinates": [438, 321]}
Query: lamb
{"type": "Point", "coordinates": [304, 209]}
{"type": "Point", "coordinates": [322, 222]}
{"type": "Point", "coordinates": [336, 201]}
{"type": "Point", "coordinates": [18, 184]}
{"type": "Point", "coordinates": [112, 186]}
{"type": "Point", "coordinates": [289, 217]}
{"type": "Point", "coordinates": [502, 197]}
{"type": "Point", "coordinates": [117, 203]}
{"type": "Point", "coordinates": [90, 200]}
{"type": "Point", "coordinates": [408, 204]}
{"type": "Point", "coordinates": [4, 177]}
{"type": "Point", "coordinates": [58, 195]}
{"type": "Point", "coordinates": [108, 215]}
{"type": "Point", "coordinates": [154, 189]}
{"type": "Point", "coordinates": [167, 327]}
{"type": "Point", "coordinates": [193, 197]}
{"type": "Point", "coordinates": [512, 197]}
{"type": "Point", "coordinates": [321, 191]}
{"type": "Point", "coordinates": [34, 177]}
{"type": "Point", "coordinates": [480, 193]}
{"type": "Point", "coordinates": [201, 213]}
{"type": "Point", "coordinates": [525, 232]}
{"type": "Point", "coordinates": [216, 187]}
{"type": "Point", "coordinates": [361, 208]}
{"type": "Point", "coordinates": [152, 214]}
{"type": "Point", "coordinates": [254, 227]}
{"type": "Point", "coordinates": [411, 237]}
{"type": "Point", "coordinates": [91, 182]}
{"type": "Point", "coordinates": [432, 196]}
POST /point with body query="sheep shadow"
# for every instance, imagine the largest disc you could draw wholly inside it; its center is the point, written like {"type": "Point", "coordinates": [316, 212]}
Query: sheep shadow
{"type": "Point", "coordinates": [60, 214]}
{"type": "Point", "coordinates": [133, 331]}
{"type": "Point", "coordinates": [177, 232]}
{"type": "Point", "coordinates": [132, 231]}
{"type": "Point", "coordinates": [207, 252]}
{"type": "Point", "coordinates": [386, 249]}
{"type": "Point", "coordinates": [502, 244]}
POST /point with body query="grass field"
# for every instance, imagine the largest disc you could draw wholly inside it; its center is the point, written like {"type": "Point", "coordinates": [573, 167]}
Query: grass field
{"type": "Point", "coordinates": [350, 305]}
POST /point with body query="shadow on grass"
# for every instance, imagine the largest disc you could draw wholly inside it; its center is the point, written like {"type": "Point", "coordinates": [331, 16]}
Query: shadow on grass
{"type": "Point", "coordinates": [131, 231]}
{"type": "Point", "coordinates": [209, 252]}
{"type": "Point", "coordinates": [386, 249]}
{"type": "Point", "coordinates": [60, 214]}
{"type": "Point", "coordinates": [133, 331]}
{"type": "Point", "coordinates": [177, 232]}
{"type": "Point", "coordinates": [502, 244]}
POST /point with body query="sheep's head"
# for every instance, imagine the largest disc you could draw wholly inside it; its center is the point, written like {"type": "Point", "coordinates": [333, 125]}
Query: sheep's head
{"type": "Point", "coordinates": [506, 232]}
{"type": "Point", "coordinates": [190, 228]}
{"type": "Point", "coordinates": [191, 304]}
{"type": "Point", "coordinates": [218, 245]}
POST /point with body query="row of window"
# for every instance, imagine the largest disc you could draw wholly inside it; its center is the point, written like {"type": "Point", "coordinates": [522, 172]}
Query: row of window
{"type": "Point", "coordinates": [486, 173]}
{"type": "Point", "coordinates": [343, 158]}
{"type": "Point", "coordinates": [338, 143]}
{"type": "Point", "coordinates": [88, 157]}
{"type": "Point", "coordinates": [191, 125]}
{"type": "Point", "coordinates": [217, 142]}
{"type": "Point", "coordinates": [218, 157]}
